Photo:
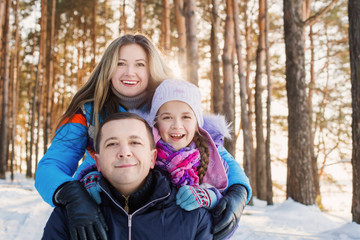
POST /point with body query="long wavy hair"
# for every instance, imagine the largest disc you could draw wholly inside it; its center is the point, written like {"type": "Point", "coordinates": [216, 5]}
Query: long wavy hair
{"type": "Point", "coordinates": [97, 88]}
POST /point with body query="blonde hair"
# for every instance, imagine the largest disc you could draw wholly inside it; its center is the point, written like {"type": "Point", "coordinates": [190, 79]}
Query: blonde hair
{"type": "Point", "coordinates": [97, 87]}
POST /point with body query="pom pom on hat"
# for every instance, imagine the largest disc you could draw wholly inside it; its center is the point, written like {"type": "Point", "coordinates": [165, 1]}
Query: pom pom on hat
{"type": "Point", "coordinates": [177, 90]}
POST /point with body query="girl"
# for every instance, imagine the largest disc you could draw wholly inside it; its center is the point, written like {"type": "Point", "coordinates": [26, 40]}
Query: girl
{"type": "Point", "coordinates": [125, 78]}
{"type": "Point", "coordinates": [185, 149]}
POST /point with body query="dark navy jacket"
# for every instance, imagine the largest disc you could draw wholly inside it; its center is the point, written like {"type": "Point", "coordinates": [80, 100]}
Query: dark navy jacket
{"type": "Point", "coordinates": [159, 218]}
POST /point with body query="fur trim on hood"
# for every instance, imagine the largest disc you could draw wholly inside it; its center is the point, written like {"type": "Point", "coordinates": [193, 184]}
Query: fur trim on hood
{"type": "Point", "coordinates": [217, 127]}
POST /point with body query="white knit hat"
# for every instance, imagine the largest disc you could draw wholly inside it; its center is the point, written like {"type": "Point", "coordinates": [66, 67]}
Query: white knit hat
{"type": "Point", "coordinates": [177, 90]}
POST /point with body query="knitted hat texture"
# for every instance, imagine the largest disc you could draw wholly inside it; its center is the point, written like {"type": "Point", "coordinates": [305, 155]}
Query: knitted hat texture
{"type": "Point", "coordinates": [177, 90]}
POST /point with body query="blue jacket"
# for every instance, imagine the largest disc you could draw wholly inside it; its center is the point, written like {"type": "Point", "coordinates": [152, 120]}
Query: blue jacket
{"type": "Point", "coordinates": [159, 217]}
{"type": "Point", "coordinates": [74, 138]}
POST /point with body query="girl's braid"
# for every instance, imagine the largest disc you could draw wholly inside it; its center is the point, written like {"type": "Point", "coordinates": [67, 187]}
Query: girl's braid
{"type": "Point", "coordinates": [204, 155]}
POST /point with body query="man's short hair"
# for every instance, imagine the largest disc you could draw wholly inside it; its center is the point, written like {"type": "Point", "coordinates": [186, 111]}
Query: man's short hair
{"type": "Point", "coordinates": [122, 116]}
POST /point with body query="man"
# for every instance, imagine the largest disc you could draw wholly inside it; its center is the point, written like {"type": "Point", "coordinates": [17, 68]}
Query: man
{"type": "Point", "coordinates": [137, 201]}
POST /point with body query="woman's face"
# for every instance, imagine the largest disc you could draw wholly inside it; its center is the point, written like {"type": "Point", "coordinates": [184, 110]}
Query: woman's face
{"type": "Point", "coordinates": [131, 76]}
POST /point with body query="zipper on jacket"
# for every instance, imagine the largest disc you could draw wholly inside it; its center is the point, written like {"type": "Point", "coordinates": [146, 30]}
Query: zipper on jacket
{"type": "Point", "coordinates": [131, 215]}
{"type": "Point", "coordinates": [129, 225]}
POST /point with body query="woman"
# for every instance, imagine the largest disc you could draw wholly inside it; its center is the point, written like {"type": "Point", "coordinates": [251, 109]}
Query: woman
{"type": "Point", "coordinates": [125, 78]}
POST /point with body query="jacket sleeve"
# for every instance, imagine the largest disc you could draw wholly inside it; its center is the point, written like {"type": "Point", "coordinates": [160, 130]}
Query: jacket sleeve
{"type": "Point", "coordinates": [57, 227]}
{"type": "Point", "coordinates": [236, 174]}
{"type": "Point", "coordinates": [204, 227]}
{"type": "Point", "coordinates": [62, 157]}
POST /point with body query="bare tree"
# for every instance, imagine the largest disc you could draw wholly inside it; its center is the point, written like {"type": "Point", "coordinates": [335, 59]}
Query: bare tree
{"type": "Point", "coordinates": [123, 25]}
{"type": "Point", "coordinates": [93, 33]}
{"type": "Point", "coordinates": [260, 143]}
{"type": "Point", "coordinates": [15, 87]}
{"type": "Point", "coordinates": [300, 184]}
{"type": "Point", "coordinates": [269, 192]}
{"type": "Point", "coordinates": [165, 25]}
{"type": "Point", "coordinates": [217, 94]}
{"type": "Point", "coordinates": [139, 15]}
{"type": "Point", "coordinates": [354, 43]}
{"type": "Point", "coordinates": [38, 93]}
{"type": "Point", "coordinates": [248, 57]}
{"type": "Point", "coordinates": [228, 73]}
{"type": "Point", "coordinates": [191, 41]}
{"type": "Point", "coordinates": [47, 128]}
{"type": "Point", "coordinates": [181, 30]}
{"type": "Point", "coordinates": [243, 95]}
{"type": "Point", "coordinates": [4, 146]}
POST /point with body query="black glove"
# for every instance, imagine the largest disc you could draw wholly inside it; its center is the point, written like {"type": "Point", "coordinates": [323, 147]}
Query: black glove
{"type": "Point", "coordinates": [229, 210]}
{"type": "Point", "coordinates": [84, 215]}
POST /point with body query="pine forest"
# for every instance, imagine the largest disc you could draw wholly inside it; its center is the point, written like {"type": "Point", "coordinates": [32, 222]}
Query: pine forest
{"type": "Point", "coordinates": [284, 73]}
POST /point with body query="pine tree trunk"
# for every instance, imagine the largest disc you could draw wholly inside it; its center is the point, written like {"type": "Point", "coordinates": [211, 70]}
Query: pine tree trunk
{"type": "Point", "coordinates": [300, 184]}
{"type": "Point", "coordinates": [123, 25]}
{"type": "Point", "coordinates": [260, 143]}
{"type": "Point", "coordinates": [181, 30]}
{"type": "Point", "coordinates": [243, 97]}
{"type": "Point", "coordinates": [4, 145]}
{"type": "Point", "coordinates": [93, 34]}
{"type": "Point", "coordinates": [139, 15]}
{"type": "Point", "coordinates": [191, 41]}
{"type": "Point", "coordinates": [217, 94]}
{"type": "Point", "coordinates": [2, 19]}
{"type": "Point", "coordinates": [228, 73]}
{"type": "Point", "coordinates": [15, 89]}
{"type": "Point", "coordinates": [269, 192]}
{"type": "Point", "coordinates": [166, 25]}
{"type": "Point", "coordinates": [47, 128]}
{"type": "Point", "coordinates": [40, 75]}
{"type": "Point", "coordinates": [306, 15]}
{"type": "Point", "coordinates": [248, 58]}
{"type": "Point", "coordinates": [354, 42]}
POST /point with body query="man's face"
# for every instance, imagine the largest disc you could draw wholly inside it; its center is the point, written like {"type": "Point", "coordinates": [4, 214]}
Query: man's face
{"type": "Point", "coordinates": [125, 156]}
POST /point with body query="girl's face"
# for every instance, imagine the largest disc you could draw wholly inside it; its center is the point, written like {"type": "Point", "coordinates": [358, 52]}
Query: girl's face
{"type": "Point", "coordinates": [131, 76]}
{"type": "Point", "coordinates": [176, 123]}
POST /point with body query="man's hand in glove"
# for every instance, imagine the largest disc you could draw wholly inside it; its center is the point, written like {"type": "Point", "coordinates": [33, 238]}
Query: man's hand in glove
{"type": "Point", "coordinates": [85, 218]}
{"type": "Point", "coordinates": [229, 210]}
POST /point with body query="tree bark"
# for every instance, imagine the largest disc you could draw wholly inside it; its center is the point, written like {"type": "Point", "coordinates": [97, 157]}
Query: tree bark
{"type": "Point", "coordinates": [354, 44]}
{"type": "Point", "coordinates": [217, 93]}
{"type": "Point", "coordinates": [50, 94]}
{"type": "Point", "coordinates": [2, 19]}
{"type": "Point", "coordinates": [4, 145]}
{"type": "Point", "coordinates": [269, 192]}
{"type": "Point", "coordinates": [93, 33]}
{"type": "Point", "coordinates": [181, 30]}
{"type": "Point", "coordinates": [166, 26]}
{"type": "Point", "coordinates": [139, 15]}
{"type": "Point", "coordinates": [248, 57]}
{"type": "Point", "coordinates": [261, 179]}
{"type": "Point", "coordinates": [15, 88]}
{"type": "Point", "coordinates": [243, 95]}
{"type": "Point", "coordinates": [37, 101]}
{"type": "Point", "coordinates": [191, 41]}
{"type": "Point", "coordinates": [300, 183]}
{"type": "Point", "coordinates": [228, 73]}
{"type": "Point", "coordinates": [123, 25]}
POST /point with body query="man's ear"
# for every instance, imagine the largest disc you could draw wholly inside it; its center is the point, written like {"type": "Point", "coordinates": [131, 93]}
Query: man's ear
{"type": "Point", "coordinates": [97, 161]}
{"type": "Point", "coordinates": [153, 158]}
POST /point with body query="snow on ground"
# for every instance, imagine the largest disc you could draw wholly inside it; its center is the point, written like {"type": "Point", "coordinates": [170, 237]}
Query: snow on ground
{"type": "Point", "coordinates": [23, 215]}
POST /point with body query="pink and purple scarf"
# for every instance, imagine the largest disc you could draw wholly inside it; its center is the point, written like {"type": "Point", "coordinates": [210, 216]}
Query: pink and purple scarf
{"type": "Point", "coordinates": [181, 165]}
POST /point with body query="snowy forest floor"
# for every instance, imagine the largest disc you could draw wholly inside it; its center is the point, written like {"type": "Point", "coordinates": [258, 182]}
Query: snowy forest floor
{"type": "Point", "coordinates": [23, 215]}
